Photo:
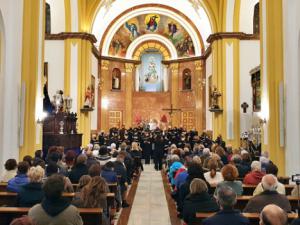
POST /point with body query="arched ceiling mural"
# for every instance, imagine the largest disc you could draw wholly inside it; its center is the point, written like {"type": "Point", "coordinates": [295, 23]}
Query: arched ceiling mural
{"type": "Point", "coordinates": [143, 25]}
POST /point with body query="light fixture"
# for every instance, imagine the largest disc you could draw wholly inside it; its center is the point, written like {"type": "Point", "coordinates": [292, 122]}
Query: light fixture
{"type": "Point", "coordinates": [105, 103]}
{"type": "Point", "coordinates": [41, 118]}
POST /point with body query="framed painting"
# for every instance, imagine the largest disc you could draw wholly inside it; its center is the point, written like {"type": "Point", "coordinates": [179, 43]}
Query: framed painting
{"type": "Point", "coordinates": [256, 90]}
{"type": "Point", "coordinates": [93, 83]}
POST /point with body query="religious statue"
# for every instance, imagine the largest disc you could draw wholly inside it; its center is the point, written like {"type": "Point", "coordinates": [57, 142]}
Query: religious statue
{"type": "Point", "coordinates": [58, 101]}
{"type": "Point", "coordinates": [116, 80]}
{"type": "Point", "coordinates": [88, 98]}
{"type": "Point", "coordinates": [187, 83]}
{"type": "Point", "coordinates": [151, 76]}
{"type": "Point", "coordinates": [215, 94]}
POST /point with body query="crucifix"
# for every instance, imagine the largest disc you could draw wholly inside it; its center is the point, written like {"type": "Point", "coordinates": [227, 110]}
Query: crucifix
{"type": "Point", "coordinates": [171, 111]}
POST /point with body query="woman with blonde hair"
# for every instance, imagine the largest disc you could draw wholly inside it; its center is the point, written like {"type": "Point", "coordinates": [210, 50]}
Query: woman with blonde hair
{"type": "Point", "coordinates": [32, 193]}
{"type": "Point", "coordinates": [93, 195]}
{"type": "Point", "coordinates": [136, 154]}
{"type": "Point", "coordinates": [213, 177]}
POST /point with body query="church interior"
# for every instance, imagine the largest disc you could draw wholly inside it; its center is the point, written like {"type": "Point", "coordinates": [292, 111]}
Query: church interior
{"type": "Point", "coordinates": [83, 74]}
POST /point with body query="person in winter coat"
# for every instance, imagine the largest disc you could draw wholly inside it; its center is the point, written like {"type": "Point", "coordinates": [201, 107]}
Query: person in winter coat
{"type": "Point", "coordinates": [20, 179]}
{"type": "Point", "coordinates": [32, 193]}
{"type": "Point", "coordinates": [255, 176]}
{"type": "Point", "coordinates": [198, 201]}
{"type": "Point", "coordinates": [78, 169]}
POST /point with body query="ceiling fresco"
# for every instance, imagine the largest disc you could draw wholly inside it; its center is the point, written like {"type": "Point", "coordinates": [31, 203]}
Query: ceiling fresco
{"type": "Point", "coordinates": [152, 24]}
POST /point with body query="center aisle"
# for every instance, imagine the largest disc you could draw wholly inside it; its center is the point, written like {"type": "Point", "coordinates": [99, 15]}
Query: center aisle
{"type": "Point", "coordinates": [150, 206]}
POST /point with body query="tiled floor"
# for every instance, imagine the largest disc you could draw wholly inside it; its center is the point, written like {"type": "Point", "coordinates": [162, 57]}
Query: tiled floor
{"type": "Point", "coordinates": [150, 206]}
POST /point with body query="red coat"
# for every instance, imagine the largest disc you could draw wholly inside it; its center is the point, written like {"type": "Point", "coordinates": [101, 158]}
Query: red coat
{"type": "Point", "coordinates": [254, 177]}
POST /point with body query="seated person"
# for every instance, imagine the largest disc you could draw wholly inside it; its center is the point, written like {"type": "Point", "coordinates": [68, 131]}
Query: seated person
{"type": "Point", "coordinates": [230, 175]}
{"type": "Point", "coordinates": [226, 198]}
{"type": "Point", "coordinates": [268, 196]}
{"type": "Point", "coordinates": [194, 171]}
{"type": "Point", "coordinates": [54, 209]}
{"type": "Point", "coordinates": [198, 201]}
{"type": "Point", "coordinates": [271, 169]}
{"type": "Point", "coordinates": [254, 177]}
{"type": "Point", "coordinates": [83, 181]}
{"type": "Point", "coordinates": [10, 170]}
{"type": "Point", "coordinates": [93, 195]}
{"type": "Point", "coordinates": [32, 193]}
{"type": "Point", "coordinates": [24, 220]}
{"type": "Point", "coordinates": [213, 177]}
{"type": "Point", "coordinates": [20, 179]}
{"type": "Point", "coordinates": [237, 161]}
{"type": "Point", "coordinates": [52, 168]}
{"type": "Point", "coordinates": [108, 173]}
{"type": "Point", "coordinates": [103, 156]}
{"type": "Point", "coordinates": [273, 215]}
{"type": "Point", "coordinates": [79, 169]}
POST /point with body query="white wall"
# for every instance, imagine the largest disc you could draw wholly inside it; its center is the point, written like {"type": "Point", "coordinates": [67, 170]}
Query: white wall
{"type": "Point", "coordinates": [249, 59]}
{"type": "Point", "coordinates": [292, 84]}
{"type": "Point", "coordinates": [94, 70]}
{"type": "Point", "coordinates": [57, 8]}
{"type": "Point", "coordinates": [12, 14]}
{"type": "Point", "coordinates": [209, 125]}
{"type": "Point", "coordinates": [54, 55]}
{"type": "Point", "coordinates": [246, 15]}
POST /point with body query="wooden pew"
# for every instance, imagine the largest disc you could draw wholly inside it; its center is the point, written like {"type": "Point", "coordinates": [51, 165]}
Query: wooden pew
{"type": "Point", "coordinates": [113, 187]}
{"type": "Point", "coordinates": [248, 189]}
{"type": "Point", "coordinates": [10, 198]}
{"type": "Point", "coordinates": [253, 217]}
{"type": "Point", "coordinates": [243, 200]}
{"type": "Point", "coordinates": [90, 216]}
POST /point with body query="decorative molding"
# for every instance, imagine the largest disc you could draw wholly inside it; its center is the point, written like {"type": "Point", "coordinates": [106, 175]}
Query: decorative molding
{"type": "Point", "coordinates": [72, 35]}
{"type": "Point", "coordinates": [122, 60]}
{"type": "Point", "coordinates": [104, 64]}
{"type": "Point", "coordinates": [207, 52]}
{"type": "Point", "coordinates": [190, 59]}
{"type": "Point", "coordinates": [96, 52]}
{"type": "Point", "coordinates": [129, 67]}
{"type": "Point", "coordinates": [199, 65]}
{"type": "Point", "coordinates": [174, 68]}
{"type": "Point", "coordinates": [232, 35]}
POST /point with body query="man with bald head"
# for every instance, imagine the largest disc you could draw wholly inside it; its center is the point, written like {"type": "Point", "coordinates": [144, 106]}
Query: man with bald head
{"type": "Point", "coordinates": [273, 215]}
{"type": "Point", "coordinates": [268, 196]}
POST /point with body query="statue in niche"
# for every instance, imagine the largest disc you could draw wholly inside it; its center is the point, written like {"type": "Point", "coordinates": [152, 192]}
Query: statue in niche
{"type": "Point", "coordinates": [186, 80]}
{"type": "Point", "coordinates": [116, 79]}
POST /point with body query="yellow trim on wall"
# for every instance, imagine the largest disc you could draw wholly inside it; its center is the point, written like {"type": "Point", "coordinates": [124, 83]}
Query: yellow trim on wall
{"type": "Point", "coordinates": [236, 17]}
{"type": "Point", "coordinates": [275, 77]}
{"type": "Point", "coordinates": [30, 64]}
{"type": "Point", "coordinates": [67, 68]}
{"type": "Point", "coordinates": [68, 13]}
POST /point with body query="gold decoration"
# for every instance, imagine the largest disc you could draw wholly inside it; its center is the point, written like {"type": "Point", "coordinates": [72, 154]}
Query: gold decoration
{"type": "Point", "coordinates": [199, 65]}
{"type": "Point", "coordinates": [104, 64]}
{"type": "Point", "coordinates": [174, 68]}
{"type": "Point", "coordinates": [129, 67]}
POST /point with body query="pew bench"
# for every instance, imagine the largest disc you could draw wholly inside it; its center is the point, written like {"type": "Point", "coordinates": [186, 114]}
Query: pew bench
{"type": "Point", "coordinates": [253, 217]}
{"type": "Point", "coordinates": [10, 198]}
{"type": "Point", "coordinates": [113, 187]}
{"type": "Point", "coordinates": [248, 189]}
{"type": "Point", "coordinates": [90, 216]}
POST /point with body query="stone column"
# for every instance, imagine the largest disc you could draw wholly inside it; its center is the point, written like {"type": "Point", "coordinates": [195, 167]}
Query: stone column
{"type": "Point", "coordinates": [174, 68]}
{"type": "Point", "coordinates": [129, 67]}
{"type": "Point", "coordinates": [105, 86]}
{"type": "Point", "coordinates": [200, 96]}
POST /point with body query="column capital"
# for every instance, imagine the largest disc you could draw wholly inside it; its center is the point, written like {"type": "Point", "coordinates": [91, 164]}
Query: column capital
{"type": "Point", "coordinates": [174, 68]}
{"type": "Point", "coordinates": [104, 64]}
{"type": "Point", "coordinates": [199, 65]}
{"type": "Point", "coordinates": [129, 67]}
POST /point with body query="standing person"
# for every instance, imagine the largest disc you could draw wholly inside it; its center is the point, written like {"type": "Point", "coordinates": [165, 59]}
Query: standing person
{"type": "Point", "coordinates": [158, 153]}
{"type": "Point", "coordinates": [147, 147]}
{"type": "Point", "coordinates": [136, 154]}
{"type": "Point", "coordinates": [54, 209]}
